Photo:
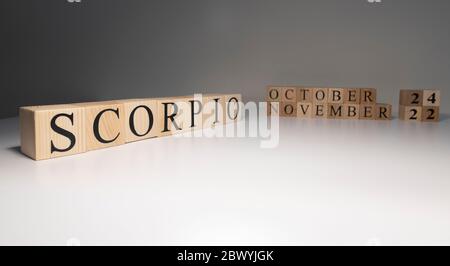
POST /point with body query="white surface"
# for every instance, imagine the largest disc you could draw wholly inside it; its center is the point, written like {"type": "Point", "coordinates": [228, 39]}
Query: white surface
{"type": "Point", "coordinates": [328, 182]}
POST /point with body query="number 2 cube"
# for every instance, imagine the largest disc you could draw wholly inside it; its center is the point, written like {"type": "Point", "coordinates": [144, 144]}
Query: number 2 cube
{"type": "Point", "coordinates": [411, 97]}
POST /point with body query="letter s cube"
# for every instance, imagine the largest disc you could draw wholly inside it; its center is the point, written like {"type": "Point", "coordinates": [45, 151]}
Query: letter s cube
{"type": "Point", "coordinates": [48, 132]}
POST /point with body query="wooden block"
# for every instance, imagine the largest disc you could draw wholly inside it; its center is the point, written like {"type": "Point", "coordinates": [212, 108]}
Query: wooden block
{"type": "Point", "coordinates": [431, 98]}
{"type": "Point", "coordinates": [304, 110]}
{"type": "Point", "coordinates": [368, 96]}
{"type": "Point", "coordinates": [48, 132]}
{"type": "Point", "coordinates": [383, 111]}
{"type": "Point", "coordinates": [104, 124]}
{"type": "Point", "coordinates": [430, 114]}
{"type": "Point", "coordinates": [179, 114]}
{"type": "Point", "coordinates": [234, 108]}
{"type": "Point", "coordinates": [213, 110]}
{"type": "Point", "coordinates": [141, 119]}
{"type": "Point", "coordinates": [273, 108]}
{"type": "Point", "coordinates": [336, 111]}
{"type": "Point", "coordinates": [288, 109]}
{"type": "Point", "coordinates": [367, 112]}
{"type": "Point", "coordinates": [351, 111]}
{"type": "Point", "coordinates": [320, 110]}
{"type": "Point", "coordinates": [289, 94]}
{"type": "Point", "coordinates": [352, 96]}
{"type": "Point", "coordinates": [411, 98]}
{"type": "Point", "coordinates": [335, 96]}
{"type": "Point", "coordinates": [410, 113]}
{"type": "Point", "coordinates": [191, 112]}
{"type": "Point", "coordinates": [320, 96]}
{"type": "Point", "coordinates": [274, 94]}
{"type": "Point", "coordinates": [305, 95]}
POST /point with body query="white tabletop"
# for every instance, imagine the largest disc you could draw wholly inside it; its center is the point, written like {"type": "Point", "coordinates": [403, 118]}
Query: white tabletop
{"type": "Point", "coordinates": [328, 182]}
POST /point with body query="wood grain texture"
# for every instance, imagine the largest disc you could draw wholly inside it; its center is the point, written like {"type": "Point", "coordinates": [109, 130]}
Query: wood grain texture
{"type": "Point", "coordinates": [289, 94]}
{"type": "Point", "coordinates": [28, 140]}
{"type": "Point", "coordinates": [288, 109]}
{"type": "Point", "coordinates": [411, 97]}
{"type": "Point", "coordinates": [352, 96]}
{"type": "Point", "coordinates": [320, 96]}
{"type": "Point", "coordinates": [213, 110]}
{"type": "Point", "coordinates": [174, 115]}
{"type": "Point", "coordinates": [104, 124]}
{"type": "Point", "coordinates": [368, 96]}
{"type": "Point", "coordinates": [430, 114]}
{"type": "Point", "coordinates": [336, 95]}
{"type": "Point", "coordinates": [431, 98]}
{"type": "Point", "coordinates": [304, 110]}
{"type": "Point", "coordinates": [305, 95]}
{"type": "Point", "coordinates": [273, 108]}
{"type": "Point", "coordinates": [367, 111]}
{"type": "Point", "coordinates": [383, 112]}
{"type": "Point", "coordinates": [351, 111]}
{"type": "Point", "coordinates": [320, 110]}
{"type": "Point", "coordinates": [233, 108]}
{"type": "Point", "coordinates": [52, 131]}
{"type": "Point", "coordinates": [336, 111]}
{"type": "Point", "coordinates": [410, 113]}
{"type": "Point", "coordinates": [274, 94]}
{"type": "Point", "coordinates": [195, 107]}
{"type": "Point", "coordinates": [190, 112]}
{"type": "Point", "coordinates": [59, 130]}
{"type": "Point", "coordinates": [141, 119]}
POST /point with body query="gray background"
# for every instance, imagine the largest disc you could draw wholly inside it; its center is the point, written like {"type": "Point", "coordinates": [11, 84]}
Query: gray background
{"type": "Point", "coordinates": [53, 51]}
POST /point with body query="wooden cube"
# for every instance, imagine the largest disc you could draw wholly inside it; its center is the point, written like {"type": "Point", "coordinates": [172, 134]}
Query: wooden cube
{"type": "Point", "coordinates": [274, 94]}
{"type": "Point", "coordinates": [289, 94]}
{"type": "Point", "coordinates": [320, 96]}
{"type": "Point", "coordinates": [351, 111]}
{"type": "Point", "coordinates": [53, 131]}
{"type": "Point", "coordinates": [430, 114]}
{"type": "Point", "coordinates": [383, 111]}
{"type": "Point", "coordinates": [104, 124]}
{"type": "Point", "coordinates": [352, 96]}
{"type": "Point", "coordinates": [213, 110]}
{"type": "Point", "coordinates": [410, 113]}
{"type": "Point", "coordinates": [368, 96]}
{"type": "Point", "coordinates": [234, 108]}
{"type": "Point", "coordinates": [336, 111]}
{"type": "Point", "coordinates": [288, 109]}
{"type": "Point", "coordinates": [305, 95]}
{"type": "Point", "coordinates": [174, 115]}
{"type": "Point", "coordinates": [431, 98]}
{"type": "Point", "coordinates": [141, 119]}
{"type": "Point", "coordinates": [320, 110]}
{"type": "Point", "coordinates": [411, 98]}
{"type": "Point", "coordinates": [191, 112]}
{"type": "Point", "coordinates": [273, 108]}
{"type": "Point", "coordinates": [304, 110]}
{"type": "Point", "coordinates": [335, 96]}
{"type": "Point", "coordinates": [367, 112]}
